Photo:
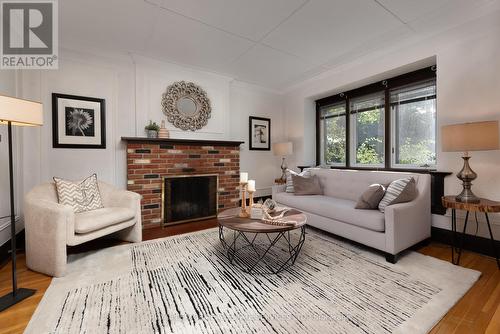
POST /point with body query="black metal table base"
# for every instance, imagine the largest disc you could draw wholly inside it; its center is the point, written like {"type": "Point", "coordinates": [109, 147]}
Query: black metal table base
{"type": "Point", "coordinates": [458, 249]}
{"type": "Point", "coordinates": [277, 252]}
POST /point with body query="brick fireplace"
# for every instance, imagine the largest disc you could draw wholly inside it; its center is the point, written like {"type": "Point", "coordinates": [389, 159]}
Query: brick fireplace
{"type": "Point", "coordinates": [150, 160]}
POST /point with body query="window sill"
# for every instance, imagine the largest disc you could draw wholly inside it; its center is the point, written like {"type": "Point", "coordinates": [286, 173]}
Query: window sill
{"type": "Point", "coordinates": [383, 169]}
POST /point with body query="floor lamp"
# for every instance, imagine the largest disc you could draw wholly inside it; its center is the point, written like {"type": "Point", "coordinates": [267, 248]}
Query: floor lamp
{"type": "Point", "coordinates": [16, 112]}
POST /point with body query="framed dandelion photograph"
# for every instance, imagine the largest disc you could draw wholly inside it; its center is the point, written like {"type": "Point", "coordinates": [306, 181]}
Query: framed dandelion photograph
{"type": "Point", "coordinates": [78, 121]}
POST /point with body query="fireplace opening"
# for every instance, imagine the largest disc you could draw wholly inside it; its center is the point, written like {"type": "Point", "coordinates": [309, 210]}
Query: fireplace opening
{"type": "Point", "coordinates": [189, 198]}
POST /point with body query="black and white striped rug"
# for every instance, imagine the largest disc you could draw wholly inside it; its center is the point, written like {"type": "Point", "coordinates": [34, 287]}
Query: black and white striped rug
{"type": "Point", "coordinates": [185, 284]}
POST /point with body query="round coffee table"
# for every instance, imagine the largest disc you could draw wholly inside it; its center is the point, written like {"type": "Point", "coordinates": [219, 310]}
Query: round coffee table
{"type": "Point", "coordinates": [261, 248]}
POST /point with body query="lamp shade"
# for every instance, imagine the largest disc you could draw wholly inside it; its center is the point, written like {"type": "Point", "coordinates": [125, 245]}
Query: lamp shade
{"type": "Point", "coordinates": [20, 112]}
{"type": "Point", "coordinates": [283, 149]}
{"type": "Point", "coordinates": [477, 136]}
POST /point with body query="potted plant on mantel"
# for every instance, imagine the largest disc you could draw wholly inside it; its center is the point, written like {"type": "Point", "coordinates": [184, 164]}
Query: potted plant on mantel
{"type": "Point", "coordinates": [152, 129]}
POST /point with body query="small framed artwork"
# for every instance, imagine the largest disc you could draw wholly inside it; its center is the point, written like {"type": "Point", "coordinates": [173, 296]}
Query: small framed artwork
{"type": "Point", "coordinates": [78, 122]}
{"type": "Point", "coordinates": [260, 133]}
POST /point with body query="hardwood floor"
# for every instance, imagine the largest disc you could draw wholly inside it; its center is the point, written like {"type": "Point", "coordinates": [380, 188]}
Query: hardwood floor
{"type": "Point", "coordinates": [477, 312]}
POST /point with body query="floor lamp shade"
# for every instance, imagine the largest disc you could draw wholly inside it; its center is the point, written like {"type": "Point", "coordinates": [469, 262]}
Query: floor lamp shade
{"type": "Point", "coordinates": [20, 112]}
{"type": "Point", "coordinates": [16, 112]}
{"type": "Point", "coordinates": [467, 137]}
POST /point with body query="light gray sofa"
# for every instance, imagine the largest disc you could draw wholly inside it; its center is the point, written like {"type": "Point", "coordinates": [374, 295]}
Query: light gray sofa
{"type": "Point", "coordinates": [401, 226]}
{"type": "Point", "coordinates": [51, 226]}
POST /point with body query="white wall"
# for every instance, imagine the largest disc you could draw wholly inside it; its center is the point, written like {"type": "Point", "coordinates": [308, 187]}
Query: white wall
{"type": "Point", "coordinates": [468, 86]}
{"type": "Point", "coordinates": [132, 87]}
{"type": "Point", "coordinates": [249, 100]}
{"type": "Point", "coordinates": [152, 79]}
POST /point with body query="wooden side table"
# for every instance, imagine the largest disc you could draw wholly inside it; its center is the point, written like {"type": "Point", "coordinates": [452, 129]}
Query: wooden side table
{"type": "Point", "coordinates": [485, 205]}
{"type": "Point", "coordinates": [279, 181]}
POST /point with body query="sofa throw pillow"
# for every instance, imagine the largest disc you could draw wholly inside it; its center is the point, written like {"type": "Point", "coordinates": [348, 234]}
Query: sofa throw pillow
{"type": "Point", "coordinates": [306, 185]}
{"type": "Point", "coordinates": [399, 191]}
{"type": "Point", "coordinates": [371, 197]}
{"type": "Point", "coordinates": [289, 181]}
{"type": "Point", "coordinates": [81, 195]}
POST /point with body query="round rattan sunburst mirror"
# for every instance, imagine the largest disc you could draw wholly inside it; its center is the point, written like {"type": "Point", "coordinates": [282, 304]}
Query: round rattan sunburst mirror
{"type": "Point", "coordinates": [186, 106]}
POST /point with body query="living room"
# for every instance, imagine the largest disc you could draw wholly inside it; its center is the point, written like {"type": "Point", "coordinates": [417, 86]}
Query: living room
{"type": "Point", "coordinates": [240, 98]}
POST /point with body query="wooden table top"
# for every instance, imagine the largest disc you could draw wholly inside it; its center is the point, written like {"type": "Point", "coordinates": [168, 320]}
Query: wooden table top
{"type": "Point", "coordinates": [229, 218]}
{"type": "Point", "coordinates": [485, 205]}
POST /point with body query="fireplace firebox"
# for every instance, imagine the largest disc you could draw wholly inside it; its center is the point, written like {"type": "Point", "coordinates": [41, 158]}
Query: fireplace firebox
{"type": "Point", "coordinates": [188, 198]}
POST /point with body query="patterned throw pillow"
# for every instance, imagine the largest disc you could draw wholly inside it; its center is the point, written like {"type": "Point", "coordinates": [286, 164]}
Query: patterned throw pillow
{"type": "Point", "coordinates": [399, 191]}
{"type": "Point", "coordinates": [81, 195]}
{"type": "Point", "coordinates": [289, 181]}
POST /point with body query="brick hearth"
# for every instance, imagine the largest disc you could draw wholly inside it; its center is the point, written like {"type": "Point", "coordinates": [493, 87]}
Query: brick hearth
{"type": "Point", "coordinates": [148, 161]}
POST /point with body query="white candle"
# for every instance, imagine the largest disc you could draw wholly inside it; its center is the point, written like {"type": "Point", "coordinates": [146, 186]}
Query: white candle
{"type": "Point", "coordinates": [243, 177]}
{"type": "Point", "coordinates": [251, 185]}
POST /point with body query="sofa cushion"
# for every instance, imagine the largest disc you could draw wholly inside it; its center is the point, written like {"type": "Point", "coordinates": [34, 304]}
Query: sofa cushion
{"type": "Point", "coordinates": [334, 208]}
{"type": "Point", "coordinates": [372, 196]}
{"type": "Point", "coordinates": [90, 221]}
{"type": "Point", "coordinates": [306, 185]}
{"type": "Point", "coordinates": [289, 181]}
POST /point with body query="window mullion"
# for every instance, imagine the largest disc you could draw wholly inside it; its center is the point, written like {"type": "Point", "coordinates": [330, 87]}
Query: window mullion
{"type": "Point", "coordinates": [387, 129]}
{"type": "Point", "coordinates": [325, 142]}
{"type": "Point", "coordinates": [348, 132]}
{"type": "Point", "coordinates": [319, 147]}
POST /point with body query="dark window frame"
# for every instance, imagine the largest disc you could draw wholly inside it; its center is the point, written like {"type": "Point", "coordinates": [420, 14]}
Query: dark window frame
{"type": "Point", "coordinates": [345, 114]}
{"type": "Point", "coordinates": [354, 154]}
{"type": "Point", "coordinates": [427, 73]}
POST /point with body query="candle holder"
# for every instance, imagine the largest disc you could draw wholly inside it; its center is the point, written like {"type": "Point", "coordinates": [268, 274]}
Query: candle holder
{"type": "Point", "coordinates": [243, 212]}
{"type": "Point", "coordinates": [250, 203]}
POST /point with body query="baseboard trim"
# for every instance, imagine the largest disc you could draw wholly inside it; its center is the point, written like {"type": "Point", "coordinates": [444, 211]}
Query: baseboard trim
{"type": "Point", "coordinates": [471, 242]}
{"type": "Point", "coordinates": [5, 248]}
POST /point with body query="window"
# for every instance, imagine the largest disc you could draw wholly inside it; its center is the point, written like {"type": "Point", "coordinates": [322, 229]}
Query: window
{"type": "Point", "coordinates": [333, 134]}
{"type": "Point", "coordinates": [413, 111]}
{"type": "Point", "coordinates": [367, 130]}
{"type": "Point", "coordinates": [385, 125]}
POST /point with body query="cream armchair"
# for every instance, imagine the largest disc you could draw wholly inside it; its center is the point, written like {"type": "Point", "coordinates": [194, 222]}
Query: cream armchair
{"type": "Point", "coordinates": [50, 226]}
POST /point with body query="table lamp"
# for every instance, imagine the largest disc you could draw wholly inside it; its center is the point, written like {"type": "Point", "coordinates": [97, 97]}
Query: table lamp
{"type": "Point", "coordinates": [467, 137]}
{"type": "Point", "coordinates": [282, 150]}
{"type": "Point", "coordinates": [16, 112]}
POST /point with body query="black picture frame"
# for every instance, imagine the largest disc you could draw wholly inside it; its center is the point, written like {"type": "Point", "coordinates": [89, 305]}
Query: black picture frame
{"type": "Point", "coordinates": [265, 144]}
{"type": "Point", "coordinates": [91, 131]}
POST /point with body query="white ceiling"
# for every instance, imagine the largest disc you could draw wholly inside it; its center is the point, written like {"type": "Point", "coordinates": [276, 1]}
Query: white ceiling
{"type": "Point", "coordinates": [272, 43]}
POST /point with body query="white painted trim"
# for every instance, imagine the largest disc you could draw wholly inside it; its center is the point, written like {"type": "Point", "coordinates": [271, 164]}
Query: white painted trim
{"type": "Point", "coordinates": [5, 222]}
{"type": "Point", "coordinates": [5, 229]}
